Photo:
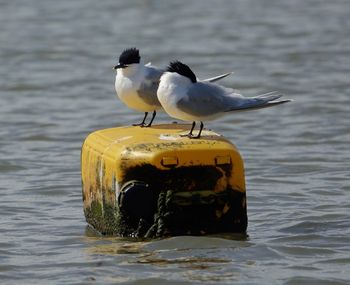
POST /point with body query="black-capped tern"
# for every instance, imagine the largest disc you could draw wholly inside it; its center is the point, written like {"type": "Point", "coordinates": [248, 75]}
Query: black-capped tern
{"type": "Point", "coordinates": [184, 98]}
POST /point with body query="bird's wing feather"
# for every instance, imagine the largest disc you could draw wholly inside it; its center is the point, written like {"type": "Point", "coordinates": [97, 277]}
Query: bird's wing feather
{"type": "Point", "coordinates": [148, 88]}
{"type": "Point", "coordinates": [205, 99]}
{"type": "Point", "coordinates": [258, 102]}
{"type": "Point", "coordinates": [216, 78]}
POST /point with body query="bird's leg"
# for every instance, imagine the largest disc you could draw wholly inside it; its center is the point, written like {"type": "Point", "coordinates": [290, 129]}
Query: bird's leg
{"type": "Point", "coordinates": [143, 121]}
{"type": "Point", "coordinates": [153, 116]}
{"type": "Point", "coordinates": [200, 131]}
{"type": "Point", "coordinates": [190, 135]}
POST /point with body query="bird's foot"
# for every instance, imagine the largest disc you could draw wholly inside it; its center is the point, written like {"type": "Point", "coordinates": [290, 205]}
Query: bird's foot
{"type": "Point", "coordinates": [190, 136]}
{"type": "Point", "coordinates": [142, 124]}
{"type": "Point", "coordinates": [195, 137]}
{"type": "Point", "coordinates": [139, 125]}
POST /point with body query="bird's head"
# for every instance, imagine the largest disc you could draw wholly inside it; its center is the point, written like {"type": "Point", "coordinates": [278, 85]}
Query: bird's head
{"type": "Point", "coordinates": [182, 69]}
{"type": "Point", "coordinates": [128, 57]}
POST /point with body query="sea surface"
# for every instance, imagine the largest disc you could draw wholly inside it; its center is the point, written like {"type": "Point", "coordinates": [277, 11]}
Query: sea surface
{"type": "Point", "coordinates": [57, 86]}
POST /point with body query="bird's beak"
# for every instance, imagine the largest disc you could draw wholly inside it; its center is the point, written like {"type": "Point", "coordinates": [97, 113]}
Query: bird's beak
{"type": "Point", "coordinates": [120, 65]}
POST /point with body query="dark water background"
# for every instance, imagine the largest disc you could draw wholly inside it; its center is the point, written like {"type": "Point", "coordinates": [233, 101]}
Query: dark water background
{"type": "Point", "coordinates": [57, 85]}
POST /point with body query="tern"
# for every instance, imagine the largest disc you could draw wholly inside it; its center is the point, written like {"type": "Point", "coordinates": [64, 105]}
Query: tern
{"type": "Point", "coordinates": [136, 84]}
{"type": "Point", "coordinates": [184, 98]}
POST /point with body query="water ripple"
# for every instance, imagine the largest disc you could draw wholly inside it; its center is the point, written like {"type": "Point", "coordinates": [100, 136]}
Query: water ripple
{"type": "Point", "coordinates": [56, 84]}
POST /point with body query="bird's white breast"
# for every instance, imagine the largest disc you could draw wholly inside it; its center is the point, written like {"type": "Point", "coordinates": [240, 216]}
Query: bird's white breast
{"type": "Point", "coordinates": [172, 88]}
{"type": "Point", "coordinates": [126, 86]}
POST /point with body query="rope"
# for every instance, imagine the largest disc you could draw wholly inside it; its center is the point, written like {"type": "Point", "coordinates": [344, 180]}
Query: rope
{"type": "Point", "coordinates": [174, 209]}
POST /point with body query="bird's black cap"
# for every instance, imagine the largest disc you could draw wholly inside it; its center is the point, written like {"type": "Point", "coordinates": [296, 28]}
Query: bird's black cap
{"type": "Point", "coordinates": [182, 69]}
{"type": "Point", "coordinates": [128, 56]}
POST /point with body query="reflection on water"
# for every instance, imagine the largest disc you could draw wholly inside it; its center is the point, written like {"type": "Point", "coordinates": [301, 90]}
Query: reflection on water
{"type": "Point", "coordinates": [57, 85]}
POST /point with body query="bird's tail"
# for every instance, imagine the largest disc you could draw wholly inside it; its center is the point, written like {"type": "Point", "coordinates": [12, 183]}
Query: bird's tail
{"type": "Point", "coordinates": [259, 102]}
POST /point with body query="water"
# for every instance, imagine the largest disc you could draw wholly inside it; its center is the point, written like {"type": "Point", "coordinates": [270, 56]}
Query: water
{"type": "Point", "coordinates": [56, 86]}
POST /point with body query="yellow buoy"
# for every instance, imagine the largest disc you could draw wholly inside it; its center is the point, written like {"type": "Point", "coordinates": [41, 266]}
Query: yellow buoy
{"type": "Point", "coordinates": [151, 182]}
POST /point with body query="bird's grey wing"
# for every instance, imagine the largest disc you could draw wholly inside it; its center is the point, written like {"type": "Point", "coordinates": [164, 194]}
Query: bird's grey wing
{"type": "Point", "coordinates": [205, 99]}
{"type": "Point", "coordinates": [216, 78]}
{"type": "Point", "coordinates": [149, 86]}
{"type": "Point", "coordinates": [258, 102]}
